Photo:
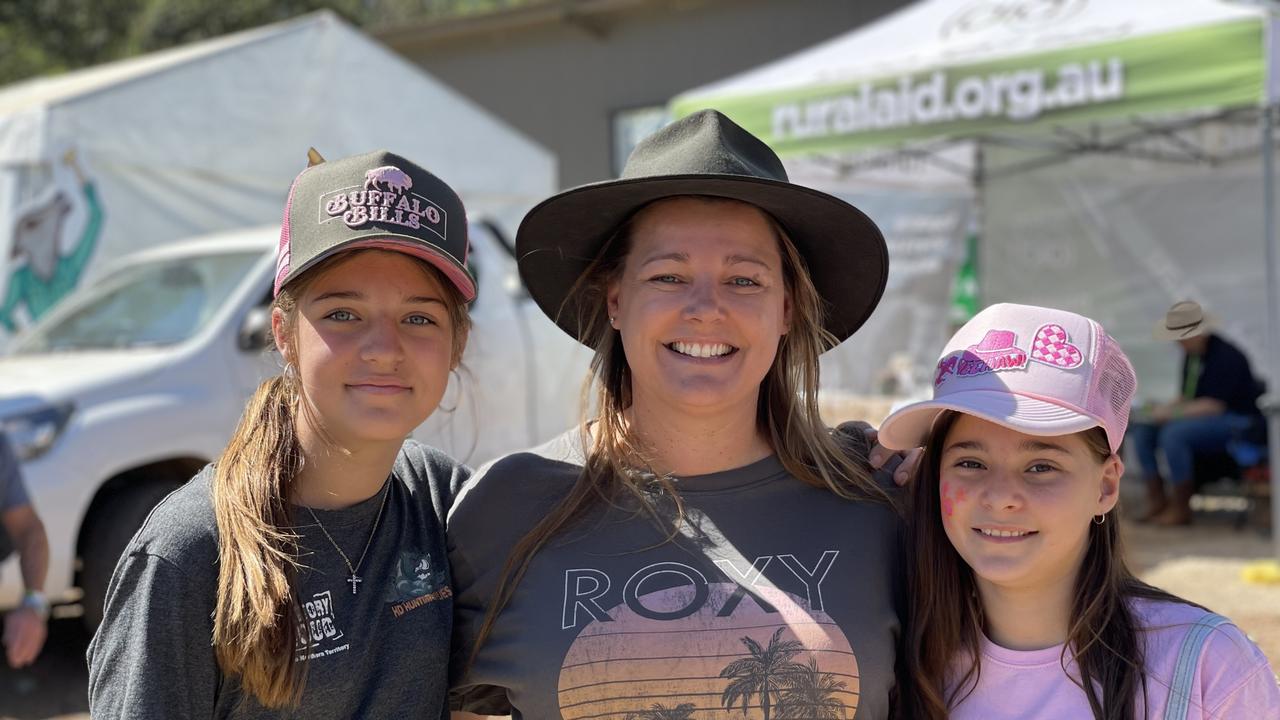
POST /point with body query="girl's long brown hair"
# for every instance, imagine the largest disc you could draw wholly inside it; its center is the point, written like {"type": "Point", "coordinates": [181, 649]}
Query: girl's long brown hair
{"type": "Point", "coordinates": [256, 611]}
{"type": "Point", "coordinates": [946, 621]}
{"type": "Point", "coordinates": [616, 468]}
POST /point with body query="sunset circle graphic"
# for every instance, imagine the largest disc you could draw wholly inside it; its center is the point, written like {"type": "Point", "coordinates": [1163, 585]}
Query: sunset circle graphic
{"type": "Point", "coordinates": [710, 651]}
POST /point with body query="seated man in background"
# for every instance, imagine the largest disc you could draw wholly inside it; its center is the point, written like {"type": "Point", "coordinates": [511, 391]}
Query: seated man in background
{"type": "Point", "coordinates": [1218, 400]}
{"type": "Point", "coordinates": [21, 530]}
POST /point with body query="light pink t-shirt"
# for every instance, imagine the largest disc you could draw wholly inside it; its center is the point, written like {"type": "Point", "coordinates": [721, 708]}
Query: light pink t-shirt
{"type": "Point", "coordinates": [1232, 680]}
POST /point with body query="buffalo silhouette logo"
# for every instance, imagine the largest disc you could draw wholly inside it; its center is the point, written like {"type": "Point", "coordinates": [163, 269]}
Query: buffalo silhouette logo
{"type": "Point", "coordinates": [387, 177]}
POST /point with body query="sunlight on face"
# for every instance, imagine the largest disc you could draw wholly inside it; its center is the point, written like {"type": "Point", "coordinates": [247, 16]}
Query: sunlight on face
{"type": "Point", "coordinates": [374, 345]}
{"type": "Point", "coordinates": [701, 305]}
{"type": "Point", "coordinates": [1017, 507]}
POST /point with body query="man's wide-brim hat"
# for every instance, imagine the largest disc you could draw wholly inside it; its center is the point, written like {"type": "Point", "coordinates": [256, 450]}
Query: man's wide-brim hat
{"type": "Point", "coordinates": [705, 154]}
{"type": "Point", "coordinates": [1184, 320]}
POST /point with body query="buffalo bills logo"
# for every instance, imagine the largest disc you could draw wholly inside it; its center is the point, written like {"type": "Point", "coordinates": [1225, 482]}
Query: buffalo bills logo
{"type": "Point", "coordinates": [387, 198]}
{"type": "Point", "coordinates": [387, 177]}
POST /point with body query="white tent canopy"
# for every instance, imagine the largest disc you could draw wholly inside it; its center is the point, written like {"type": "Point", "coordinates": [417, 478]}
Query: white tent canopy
{"type": "Point", "coordinates": [954, 68]}
{"type": "Point", "coordinates": [208, 137]}
{"type": "Point", "coordinates": [1110, 150]}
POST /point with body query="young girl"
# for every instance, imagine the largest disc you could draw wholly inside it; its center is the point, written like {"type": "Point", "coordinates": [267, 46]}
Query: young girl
{"type": "Point", "coordinates": [304, 574]}
{"type": "Point", "coordinates": [705, 546]}
{"type": "Point", "coordinates": [1021, 604]}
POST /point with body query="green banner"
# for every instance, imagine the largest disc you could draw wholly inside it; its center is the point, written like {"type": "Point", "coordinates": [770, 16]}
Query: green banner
{"type": "Point", "coordinates": [1210, 67]}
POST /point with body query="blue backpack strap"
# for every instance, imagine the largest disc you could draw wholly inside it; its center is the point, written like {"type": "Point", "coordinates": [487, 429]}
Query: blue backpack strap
{"type": "Point", "coordinates": [1179, 704]}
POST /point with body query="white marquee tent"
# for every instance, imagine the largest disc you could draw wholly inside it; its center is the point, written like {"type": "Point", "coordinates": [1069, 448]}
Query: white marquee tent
{"type": "Point", "coordinates": [208, 136]}
{"type": "Point", "coordinates": [1111, 151]}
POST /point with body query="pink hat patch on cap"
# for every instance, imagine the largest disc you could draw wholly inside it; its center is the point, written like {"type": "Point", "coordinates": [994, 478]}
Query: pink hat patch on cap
{"type": "Point", "coordinates": [1053, 347]}
{"type": "Point", "coordinates": [995, 341]}
{"type": "Point", "coordinates": [997, 351]}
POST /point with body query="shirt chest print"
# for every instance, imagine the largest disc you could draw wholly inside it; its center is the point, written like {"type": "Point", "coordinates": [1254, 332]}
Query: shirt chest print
{"type": "Point", "coordinates": [319, 634]}
{"type": "Point", "coordinates": [678, 644]}
{"type": "Point", "coordinates": [419, 580]}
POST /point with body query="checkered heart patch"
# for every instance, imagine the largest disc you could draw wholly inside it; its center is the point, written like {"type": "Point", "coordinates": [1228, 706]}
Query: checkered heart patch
{"type": "Point", "coordinates": [1051, 347]}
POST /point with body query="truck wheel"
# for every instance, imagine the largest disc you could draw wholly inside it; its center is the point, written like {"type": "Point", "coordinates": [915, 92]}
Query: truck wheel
{"type": "Point", "coordinates": [113, 526]}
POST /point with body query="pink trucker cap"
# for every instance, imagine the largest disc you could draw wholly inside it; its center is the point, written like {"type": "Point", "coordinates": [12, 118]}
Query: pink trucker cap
{"type": "Point", "coordinates": [377, 200]}
{"type": "Point", "coordinates": [1036, 370]}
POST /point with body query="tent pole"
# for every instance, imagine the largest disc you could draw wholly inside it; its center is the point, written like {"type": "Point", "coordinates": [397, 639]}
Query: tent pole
{"type": "Point", "coordinates": [1272, 402]}
{"type": "Point", "coordinates": [979, 221]}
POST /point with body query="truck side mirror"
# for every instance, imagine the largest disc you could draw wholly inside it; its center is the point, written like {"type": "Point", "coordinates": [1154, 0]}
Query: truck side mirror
{"type": "Point", "coordinates": [255, 331]}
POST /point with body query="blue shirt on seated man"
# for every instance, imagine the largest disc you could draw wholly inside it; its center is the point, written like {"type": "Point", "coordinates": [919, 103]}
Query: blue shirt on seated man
{"type": "Point", "coordinates": [1218, 401]}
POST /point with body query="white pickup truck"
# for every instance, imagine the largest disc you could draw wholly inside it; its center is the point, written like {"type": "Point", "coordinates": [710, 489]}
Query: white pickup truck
{"type": "Point", "coordinates": [135, 381]}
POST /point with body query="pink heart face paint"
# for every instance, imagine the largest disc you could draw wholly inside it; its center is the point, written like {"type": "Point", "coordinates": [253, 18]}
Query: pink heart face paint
{"type": "Point", "coordinates": [948, 503]}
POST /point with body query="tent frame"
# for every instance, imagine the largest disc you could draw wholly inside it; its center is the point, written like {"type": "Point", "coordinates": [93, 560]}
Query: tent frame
{"type": "Point", "coordinates": [1065, 144]}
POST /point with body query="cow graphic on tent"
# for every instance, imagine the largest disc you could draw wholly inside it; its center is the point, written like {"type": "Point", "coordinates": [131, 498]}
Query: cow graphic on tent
{"type": "Point", "coordinates": [40, 273]}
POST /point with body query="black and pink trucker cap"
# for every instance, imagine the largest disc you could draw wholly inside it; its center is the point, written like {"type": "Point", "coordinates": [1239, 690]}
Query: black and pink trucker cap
{"type": "Point", "coordinates": [377, 200]}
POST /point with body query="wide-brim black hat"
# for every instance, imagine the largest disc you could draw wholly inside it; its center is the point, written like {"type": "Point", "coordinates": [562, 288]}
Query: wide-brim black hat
{"type": "Point", "coordinates": [705, 154]}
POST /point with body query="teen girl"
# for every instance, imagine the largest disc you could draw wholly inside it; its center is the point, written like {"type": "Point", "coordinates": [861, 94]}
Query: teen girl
{"type": "Point", "coordinates": [1021, 604]}
{"type": "Point", "coordinates": [304, 574]}
{"type": "Point", "coordinates": [705, 545]}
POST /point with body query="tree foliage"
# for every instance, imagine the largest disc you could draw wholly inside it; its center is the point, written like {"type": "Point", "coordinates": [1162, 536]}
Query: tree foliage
{"type": "Point", "coordinates": [51, 36]}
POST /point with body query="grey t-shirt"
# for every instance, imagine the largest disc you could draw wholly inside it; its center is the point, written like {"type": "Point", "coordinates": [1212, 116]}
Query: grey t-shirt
{"type": "Point", "coordinates": [13, 494]}
{"type": "Point", "coordinates": [777, 594]}
{"type": "Point", "coordinates": [381, 652]}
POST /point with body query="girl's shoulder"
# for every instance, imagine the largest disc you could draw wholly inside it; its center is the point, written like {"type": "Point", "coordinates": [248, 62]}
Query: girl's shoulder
{"type": "Point", "coordinates": [1223, 657]}
{"type": "Point", "coordinates": [420, 464]}
{"type": "Point", "coordinates": [520, 483]}
{"type": "Point", "coordinates": [1169, 622]}
{"type": "Point", "coordinates": [545, 468]}
{"type": "Point", "coordinates": [181, 528]}
{"type": "Point", "coordinates": [431, 476]}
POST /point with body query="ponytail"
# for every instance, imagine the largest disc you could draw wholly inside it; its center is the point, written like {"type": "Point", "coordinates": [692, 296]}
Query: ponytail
{"type": "Point", "coordinates": [254, 629]}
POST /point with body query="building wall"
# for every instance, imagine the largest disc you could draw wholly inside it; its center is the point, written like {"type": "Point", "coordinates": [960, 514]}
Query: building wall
{"type": "Point", "coordinates": [560, 77]}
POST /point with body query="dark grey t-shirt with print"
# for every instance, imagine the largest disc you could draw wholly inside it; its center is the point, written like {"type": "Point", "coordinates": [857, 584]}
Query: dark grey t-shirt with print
{"type": "Point", "coordinates": [379, 652]}
{"type": "Point", "coordinates": [778, 599]}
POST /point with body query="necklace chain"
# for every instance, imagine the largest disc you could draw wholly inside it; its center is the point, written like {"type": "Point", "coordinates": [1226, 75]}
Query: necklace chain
{"type": "Point", "coordinates": [355, 579]}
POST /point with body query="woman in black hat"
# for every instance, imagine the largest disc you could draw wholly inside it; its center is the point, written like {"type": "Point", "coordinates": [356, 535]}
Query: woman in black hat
{"type": "Point", "coordinates": [304, 574]}
{"type": "Point", "coordinates": [704, 544]}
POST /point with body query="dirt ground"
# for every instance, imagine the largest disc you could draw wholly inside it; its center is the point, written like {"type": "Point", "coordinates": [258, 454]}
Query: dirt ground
{"type": "Point", "coordinates": [1201, 563]}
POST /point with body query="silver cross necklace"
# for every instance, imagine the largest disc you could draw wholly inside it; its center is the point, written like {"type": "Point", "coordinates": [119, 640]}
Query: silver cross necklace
{"type": "Point", "coordinates": [355, 579]}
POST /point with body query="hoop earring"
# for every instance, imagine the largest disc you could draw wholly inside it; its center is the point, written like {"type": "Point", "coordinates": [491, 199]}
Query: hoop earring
{"type": "Point", "coordinates": [290, 377]}
{"type": "Point", "coordinates": [454, 372]}
{"type": "Point", "coordinates": [1099, 519]}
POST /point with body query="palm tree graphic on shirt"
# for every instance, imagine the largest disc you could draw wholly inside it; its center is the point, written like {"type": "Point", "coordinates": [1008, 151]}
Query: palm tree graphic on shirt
{"type": "Point", "coordinates": [770, 673]}
{"type": "Point", "coordinates": [762, 673]}
{"type": "Point", "coordinates": [658, 711]}
{"type": "Point", "coordinates": [810, 694]}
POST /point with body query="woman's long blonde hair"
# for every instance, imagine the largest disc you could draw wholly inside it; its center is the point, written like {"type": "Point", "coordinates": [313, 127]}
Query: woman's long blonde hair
{"type": "Point", "coordinates": [617, 468]}
{"type": "Point", "coordinates": [257, 610]}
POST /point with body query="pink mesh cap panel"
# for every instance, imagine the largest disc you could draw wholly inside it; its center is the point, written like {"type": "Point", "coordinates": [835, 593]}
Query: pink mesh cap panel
{"type": "Point", "coordinates": [1113, 386]}
{"type": "Point", "coordinates": [282, 251]}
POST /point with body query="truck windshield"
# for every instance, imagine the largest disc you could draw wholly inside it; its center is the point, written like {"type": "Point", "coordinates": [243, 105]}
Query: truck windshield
{"type": "Point", "coordinates": [151, 304]}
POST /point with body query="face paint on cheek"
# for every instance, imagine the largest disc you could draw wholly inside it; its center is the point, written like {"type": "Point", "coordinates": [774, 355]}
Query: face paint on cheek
{"type": "Point", "coordinates": [948, 505]}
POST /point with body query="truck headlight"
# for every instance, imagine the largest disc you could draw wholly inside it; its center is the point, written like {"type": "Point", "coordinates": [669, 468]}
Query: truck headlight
{"type": "Point", "coordinates": [33, 432]}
